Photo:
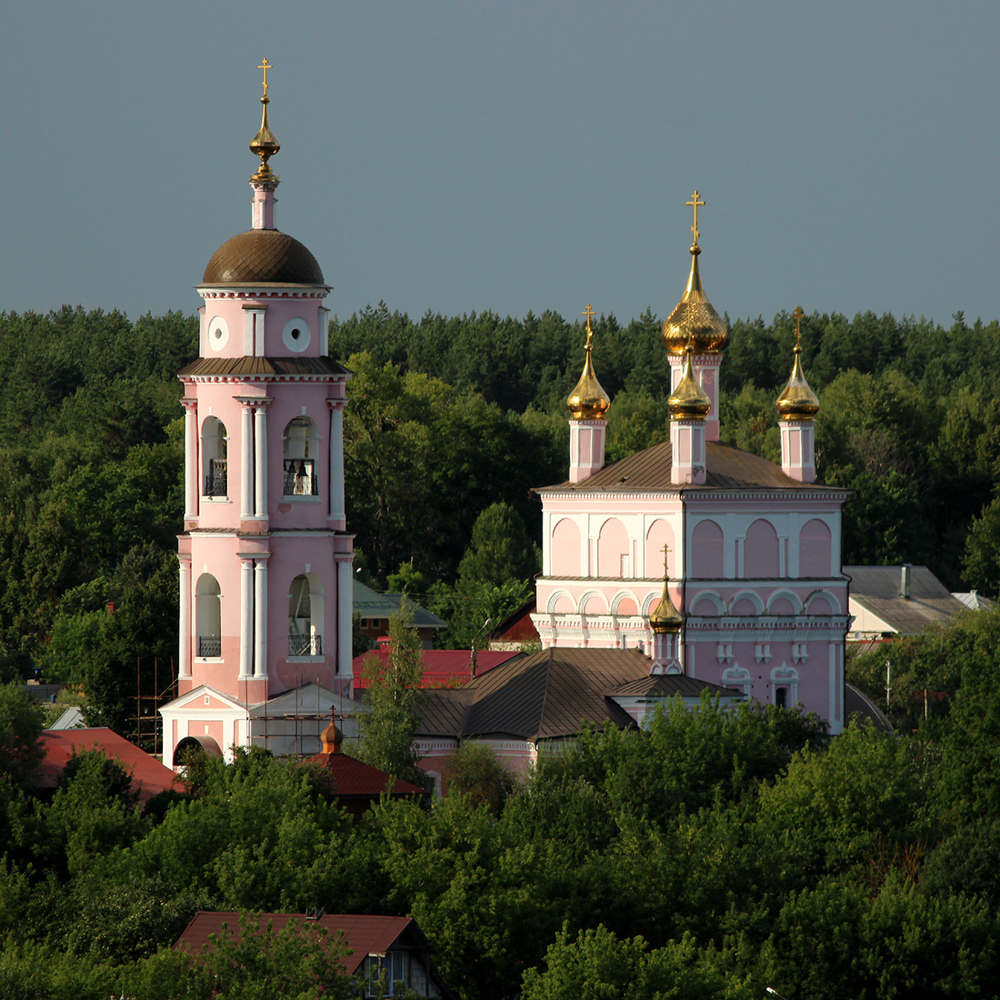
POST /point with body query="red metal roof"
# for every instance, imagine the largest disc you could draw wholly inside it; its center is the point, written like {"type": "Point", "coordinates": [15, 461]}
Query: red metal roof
{"type": "Point", "coordinates": [364, 935]}
{"type": "Point", "coordinates": [354, 778]}
{"type": "Point", "coordinates": [443, 667]}
{"type": "Point", "coordinates": [149, 776]}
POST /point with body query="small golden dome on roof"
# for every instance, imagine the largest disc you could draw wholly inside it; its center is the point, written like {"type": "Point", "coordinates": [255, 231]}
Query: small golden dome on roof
{"type": "Point", "coordinates": [694, 319]}
{"type": "Point", "coordinates": [665, 617]}
{"type": "Point", "coordinates": [264, 144]}
{"type": "Point", "coordinates": [688, 401]}
{"type": "Point", "coordinates": [332, 736]}
{"type": "Point", "coordinates": [797, 401]}
{"type": "Point", "coordinates": [588, 401]}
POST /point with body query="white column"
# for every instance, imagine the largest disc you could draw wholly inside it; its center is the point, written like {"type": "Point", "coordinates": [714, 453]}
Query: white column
{"type": "Point", "coordinates": [260, 620]}
{"type": "Point", "coordinates": [191, 490]}
{"type": "Point", "coordinates": [184, 637]}
{"type": "Point", "coordinates": [246, 462]}
{"type": "Point", "coordinates": [337, 501]}
{"type": "Point", "coordinates": [324, 332]}
{"type": "Point", "coordinates": [246, 616]}
{"type": "Point", "coordinates": [345, 612]}
{"type": "Point", "coordinates": [260, 461]}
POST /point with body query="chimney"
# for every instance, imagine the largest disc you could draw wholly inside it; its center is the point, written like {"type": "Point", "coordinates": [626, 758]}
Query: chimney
{"type": "Point", "coordinates": [904, 581]}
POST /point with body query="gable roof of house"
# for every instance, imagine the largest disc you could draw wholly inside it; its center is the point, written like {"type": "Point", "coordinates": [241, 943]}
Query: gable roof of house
{"type": "Point", "coordinates": [149, 776]}
{"type": "Point", "coordinates": [727, 468]}
{"type": "Point", "coordinates": [877, 590]}
{"type": "Point", "coordinates": [673, 685]}
{"type": "Point", "coordinates": [370, 603]}
{"type": "Point", "coordinates": [548, 695]}
{"type": "Point", "coordinates": [364, 934]}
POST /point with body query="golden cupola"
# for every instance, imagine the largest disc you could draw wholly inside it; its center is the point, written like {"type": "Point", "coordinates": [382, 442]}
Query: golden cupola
{"type": "Point", "coordinates": [264, 144]}
{"type": "Point", "coordinates": [694, 319]}
{"type": "Point", "coordinates": [588, 401]}
{"type": "Point", "coordinates": [797, 401]}
{"type": "Point", "coordinates": [665, 617]}
{"type": "Point", "coordinates": [688, 401]}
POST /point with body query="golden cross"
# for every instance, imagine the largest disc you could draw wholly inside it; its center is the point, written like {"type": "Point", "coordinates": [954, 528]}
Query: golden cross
{"type": "Point", "coordinates": [265, 66]}
{"type": "Point", "coordinates": [666, 572]}
{"type": "Point", "coordinates": [588, 312]}
{"type": "Point", "coordinates": [798, 314]}
{"type": "Point", "coordinates": [694, 203]}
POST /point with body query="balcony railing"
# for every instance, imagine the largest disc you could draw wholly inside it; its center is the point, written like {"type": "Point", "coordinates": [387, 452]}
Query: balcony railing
{"type": "Point", "coordinates": [216, 480]}
{"type": "Point", "coordinates": [209, 645]}
{"type": "Point", "coordinates": [300, 477]}
{"type": "Point", "coordinates": [305, 645]}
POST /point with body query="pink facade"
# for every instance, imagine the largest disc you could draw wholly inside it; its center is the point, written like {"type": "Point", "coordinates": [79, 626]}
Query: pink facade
{"type": "Point", "coordinates": [265, 557]}
{"type": "Point", "coordinates": [754, 550]}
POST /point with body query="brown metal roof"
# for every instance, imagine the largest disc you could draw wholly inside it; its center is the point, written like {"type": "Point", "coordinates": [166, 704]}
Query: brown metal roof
{"type": "Point", "coordinates": [263, 255]}
{"type": "Point", "coordinates": [669, 685]}
{"type": "Point", "coordinates": [548, 695]}
{"type": "Point", "coordinates": [728, 468]}
{"type": "Point", "coordinates": [877, 589]}
{"type": "Point", "coordinates": [251, 366]}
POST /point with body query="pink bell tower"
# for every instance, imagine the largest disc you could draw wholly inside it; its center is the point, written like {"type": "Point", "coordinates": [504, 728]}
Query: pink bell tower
{"type": "Point", "coordinates": [265, 557]}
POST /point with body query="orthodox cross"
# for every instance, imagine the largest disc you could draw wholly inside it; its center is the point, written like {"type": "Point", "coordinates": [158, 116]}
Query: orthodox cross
{"type": "Point", "coordinates": [694, 203]}
{"type": "Point", "coordinates": [798, 314]}
{"type": "Point", "coordinates": [588, 312]}
{"type": "Point", "coordinates": [666, 572]}
{"type": "Point", "coordinates": [265, 66]}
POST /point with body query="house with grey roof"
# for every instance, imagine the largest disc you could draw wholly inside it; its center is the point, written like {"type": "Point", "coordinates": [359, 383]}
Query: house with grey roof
{"type": "Point", "coordinates": [887, 601]}
{"type": "Point", "coordinates": [375, 609]}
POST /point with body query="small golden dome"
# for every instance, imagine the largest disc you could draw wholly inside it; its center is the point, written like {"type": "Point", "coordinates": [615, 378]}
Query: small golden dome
{"type": "Point", "coordinates": [688, 401]}
{"type": "Point", "coordinates": [665, 617]}
{"type": "Point", "coordinates": [264, 144]}
{"type": "Point", "coordinates": [588, 401]}
{"type": "Point", "coordinates": [332, 736]}
{"type": "Point", "coordinates": [797, 401]}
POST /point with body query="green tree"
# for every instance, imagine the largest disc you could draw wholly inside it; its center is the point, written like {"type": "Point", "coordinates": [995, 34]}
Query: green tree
{"type": "Point", "coordinates": [476, 771]}
{"type": "Point", "coordinates": [21, 724]}
{"type": "Point", "coordinates": [394, 698]}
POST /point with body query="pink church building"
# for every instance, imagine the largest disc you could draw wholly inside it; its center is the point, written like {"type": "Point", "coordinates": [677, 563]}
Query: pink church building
{"type": "Point", "coordinates": [752, 549]}
{"type": "Point", "coordinates": [265, 556]}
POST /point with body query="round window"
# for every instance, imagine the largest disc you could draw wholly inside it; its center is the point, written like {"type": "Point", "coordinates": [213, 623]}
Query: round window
{"type": "Point", "coordinates": [296, 335]}
{"type": "Point", "coordinates": [218, 333]}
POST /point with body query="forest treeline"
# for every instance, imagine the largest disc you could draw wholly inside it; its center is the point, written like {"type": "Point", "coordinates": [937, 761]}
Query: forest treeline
{"type": "Point", "coordinates": [453, 420]}
{"type": "Point", "coordinates": [710, 856]}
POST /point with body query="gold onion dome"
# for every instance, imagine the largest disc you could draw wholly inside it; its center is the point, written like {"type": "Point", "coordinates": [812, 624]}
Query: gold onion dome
{"type": "Point", "coordinates": [797, 401]}
{"type": "Point", "coordinates": [665, 617]}
{"type": "Point", "coordinates": [694, 319]}
{"type": "Point", "coordinates": [688, 401]}
{"type": "Point", "coordinates": [588, 401]}
{"type": "Point", "coordinates": [264, 144]}
{"type": "Point", "coordinates": [331, 736]}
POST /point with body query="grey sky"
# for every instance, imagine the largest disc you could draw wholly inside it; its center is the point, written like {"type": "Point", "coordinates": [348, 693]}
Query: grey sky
{"type": "Point", "coordinates": [510, 156]}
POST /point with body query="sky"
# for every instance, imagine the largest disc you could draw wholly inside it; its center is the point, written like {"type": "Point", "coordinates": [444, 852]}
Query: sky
{"type": "Point", "coordinates": [460, 157]}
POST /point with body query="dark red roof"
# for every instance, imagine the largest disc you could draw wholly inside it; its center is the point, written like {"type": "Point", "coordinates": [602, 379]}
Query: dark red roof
{"type": "Point", "coordinates": [149, 776]}
{"type": "Point", "coordinates": [442, 667]}
{"type": "Point", "coordinates": [355, 779]}
{"type": "Point", "coordinates": [364, 935]}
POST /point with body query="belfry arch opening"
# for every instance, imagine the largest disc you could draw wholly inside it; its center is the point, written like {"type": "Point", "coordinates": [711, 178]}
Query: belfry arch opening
{"type": "Point", "coordinates": [208, 616]}
{"type": "Point", "coordinates": [214, 467]}
{"type": "Point", "coordinates": [301, 450]}
{"type": "Point", "coordinates": [305, 616]}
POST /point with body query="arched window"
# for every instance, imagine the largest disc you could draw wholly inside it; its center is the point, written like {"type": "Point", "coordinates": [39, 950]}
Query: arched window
{"type": "Point", "coordinates": [814, 549]}
{"type": "Point", "coordinates": [213, 458]}
{"type": "Point", "coordinates": [612, 550]}
{"type": "Point", "coordinates": [660, 533]}
{"type": "Point", "coordinates": [305, 616]}
{"type": "Point", "coordinates": [566, 549]}
{"type": "Point", "coordinates": [707, 551]}
{"type": "Point", "coordinates": [208, 616]}
{"type": "Point", "coordinates": [301, 451]}
{"type": "Point", "coordinates": [760, 551]}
